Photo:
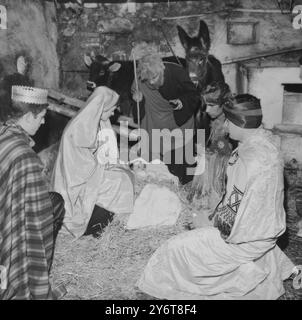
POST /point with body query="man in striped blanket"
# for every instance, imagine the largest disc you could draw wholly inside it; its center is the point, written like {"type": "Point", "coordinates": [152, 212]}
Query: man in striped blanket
{"type": "Point", "coordinates": [30, 216]}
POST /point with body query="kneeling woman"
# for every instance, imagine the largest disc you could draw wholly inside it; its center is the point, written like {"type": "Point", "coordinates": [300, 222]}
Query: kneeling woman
{"type": "Point", "coordinates": [237, 258]}
{"type": "Point", "coordinates": [87, 173]}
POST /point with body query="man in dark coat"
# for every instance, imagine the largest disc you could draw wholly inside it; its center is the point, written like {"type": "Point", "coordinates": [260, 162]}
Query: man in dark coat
{"type": "Point", "coordinates": [168, 101]}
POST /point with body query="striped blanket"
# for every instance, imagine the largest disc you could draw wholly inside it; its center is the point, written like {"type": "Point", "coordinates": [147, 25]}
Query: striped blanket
{"type": "Point", "coordinates": [26, 219]}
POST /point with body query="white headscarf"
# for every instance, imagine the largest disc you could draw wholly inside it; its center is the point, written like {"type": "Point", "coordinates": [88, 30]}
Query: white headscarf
{"type": "Point", "coordinates": [78, 175]}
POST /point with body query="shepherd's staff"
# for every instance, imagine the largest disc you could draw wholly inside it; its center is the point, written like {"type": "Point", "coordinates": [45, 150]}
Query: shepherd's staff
{"type": "Point", "coordinates": [167, 41]}
{"type": "Point", "coordinates": [137, 104]}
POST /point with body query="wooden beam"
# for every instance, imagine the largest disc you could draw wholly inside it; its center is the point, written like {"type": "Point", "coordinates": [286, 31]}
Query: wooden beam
{"type": "Point", "coordinates": [121, 129]}
{"type": "Point", "coordinates": [226, 11]}
{"type": "Point", "coordinates": [61, 109]}
{"type": "Point", "coordinates": [288, 128]}
{"type": "Point", "coordinates": [262, 55]}
{"type": "Point", "coordinates": [66, 111]}
{"type": "Point", "coordinates": [62, 98]}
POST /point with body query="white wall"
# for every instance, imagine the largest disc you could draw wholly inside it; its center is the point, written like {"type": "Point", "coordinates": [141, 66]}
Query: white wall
{"type": "Point", "coordinates": [266, 84]}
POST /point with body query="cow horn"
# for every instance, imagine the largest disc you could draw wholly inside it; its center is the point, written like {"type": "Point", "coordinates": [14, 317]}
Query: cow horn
{"type": "Point", "coordinates": [92, 55]}
{"type": "Point", "coordinates": [87, 60]}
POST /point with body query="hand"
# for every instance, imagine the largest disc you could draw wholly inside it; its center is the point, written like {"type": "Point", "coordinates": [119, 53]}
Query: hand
{"type": "Point", "coordinates": [201, 220]}
{"type": "Point", "coordinates": [137, 96]}
{"type": "Point", "coordinates": [176, 104]}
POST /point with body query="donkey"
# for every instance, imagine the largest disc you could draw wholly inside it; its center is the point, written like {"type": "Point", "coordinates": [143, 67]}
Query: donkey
{"type": "Point", "coordinates": [204, 69]}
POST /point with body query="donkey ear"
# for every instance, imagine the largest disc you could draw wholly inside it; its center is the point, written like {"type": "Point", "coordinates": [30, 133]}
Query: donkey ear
{"type": "Point", "coordinates": [204, 34]}
{"type": "Point", "coordinates": [184, 38]}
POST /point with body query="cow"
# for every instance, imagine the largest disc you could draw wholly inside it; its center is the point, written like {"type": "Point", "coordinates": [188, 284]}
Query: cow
{"type": "Point", "coordinates": [119, 76]}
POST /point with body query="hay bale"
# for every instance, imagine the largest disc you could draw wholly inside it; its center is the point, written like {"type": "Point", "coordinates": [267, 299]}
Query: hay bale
{"type": "Point", "coordinates": [108, 268]}
{"type": "Point", "coordinates": [207, 189]}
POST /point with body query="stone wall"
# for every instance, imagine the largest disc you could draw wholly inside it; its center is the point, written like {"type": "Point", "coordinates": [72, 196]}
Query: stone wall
{"type": "Point", "coordinates": [31, 27]}
{"type": "Point", "coordinates": [112, 29]}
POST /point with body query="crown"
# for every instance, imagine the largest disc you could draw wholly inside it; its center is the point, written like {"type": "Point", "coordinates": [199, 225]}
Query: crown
{"type": "Point", "coordinates": [29, 94]}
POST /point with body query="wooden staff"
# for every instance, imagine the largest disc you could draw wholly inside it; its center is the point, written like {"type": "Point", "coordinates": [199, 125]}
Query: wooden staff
{"type": "Point", "coordinates": [137, 104]}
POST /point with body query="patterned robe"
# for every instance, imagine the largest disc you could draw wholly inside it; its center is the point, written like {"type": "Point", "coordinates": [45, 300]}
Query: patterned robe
{"type": "Point", "coordinates": [26, 219]}
{"type": "Point", "coordinates": [239, 259]}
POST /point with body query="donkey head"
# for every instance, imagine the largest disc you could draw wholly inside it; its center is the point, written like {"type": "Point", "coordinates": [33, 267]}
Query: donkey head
{"type": "Point", "coordinates": [196, 48]}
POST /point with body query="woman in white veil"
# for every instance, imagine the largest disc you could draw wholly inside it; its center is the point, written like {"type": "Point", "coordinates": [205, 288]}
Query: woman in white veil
{"type": "Point", "coordinates": [87, 173]}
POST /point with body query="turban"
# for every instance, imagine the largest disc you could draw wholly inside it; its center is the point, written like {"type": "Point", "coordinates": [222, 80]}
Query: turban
{"type": "Point", "coordinates": [246, 114]}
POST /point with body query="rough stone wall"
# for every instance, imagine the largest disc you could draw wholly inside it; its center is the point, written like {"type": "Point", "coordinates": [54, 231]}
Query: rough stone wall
{"type": "Point", "coordinates": [31, 26]}
{"type": "Point", "coordinates": [111, 30]}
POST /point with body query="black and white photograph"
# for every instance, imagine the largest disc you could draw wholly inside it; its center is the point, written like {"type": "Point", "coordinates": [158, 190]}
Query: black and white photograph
{"type": "Point", "coordinates": [150, 153]}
